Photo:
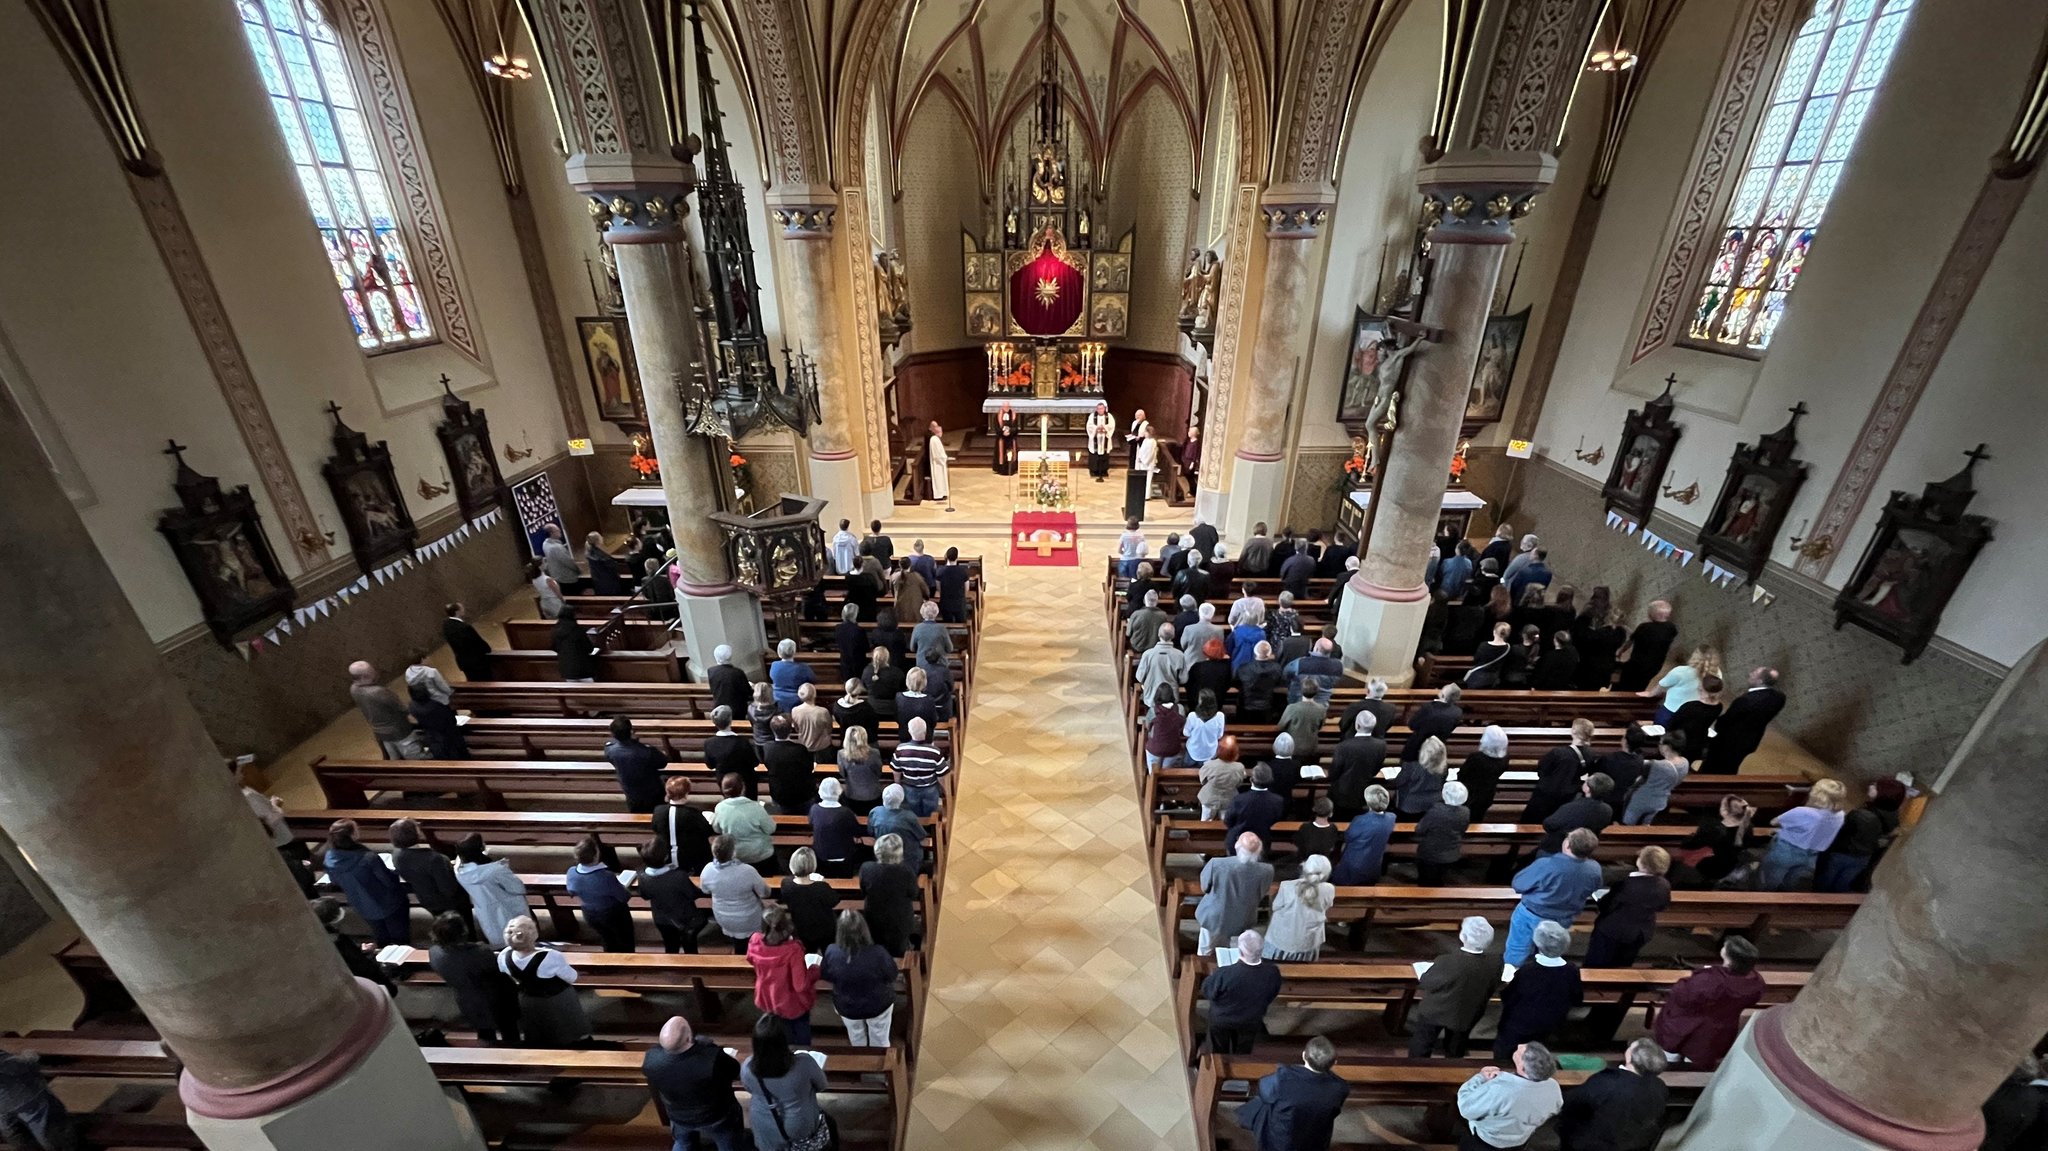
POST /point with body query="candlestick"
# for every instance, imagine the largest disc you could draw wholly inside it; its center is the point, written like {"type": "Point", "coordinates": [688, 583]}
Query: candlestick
{"type": "Point", "coordinates": [1044, 421]}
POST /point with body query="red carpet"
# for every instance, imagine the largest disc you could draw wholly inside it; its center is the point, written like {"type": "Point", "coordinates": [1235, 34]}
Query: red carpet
{"type": "Point", "coordinates": [1043, 540]}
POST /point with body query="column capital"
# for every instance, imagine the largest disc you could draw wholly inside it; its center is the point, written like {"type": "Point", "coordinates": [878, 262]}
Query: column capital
{"type": "Point", "coordinates": [1294, 211]}
{"type": "Point", "coordinates": [640, 215]}
{"type": "Point", "coordinates": [805, 221]}
{"type": "Point", "coordinates": [1476, 195]}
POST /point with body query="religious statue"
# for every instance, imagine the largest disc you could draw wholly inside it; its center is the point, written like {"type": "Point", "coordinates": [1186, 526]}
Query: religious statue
{"type": "Point", "coordinates": [1386, 378]}
{"type": "Point", "coordinates": [1011, 234]}
{"type": "Point", "coordinates": [1205, 307]}
{"type": "Point", "coordinates": [1191, 288]}
{"type": "Point", "coordinates": [892, 288]}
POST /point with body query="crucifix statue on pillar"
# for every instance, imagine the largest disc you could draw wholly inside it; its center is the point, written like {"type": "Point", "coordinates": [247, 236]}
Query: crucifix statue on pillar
{"type": "Point", "coordinates": [1384, 417]}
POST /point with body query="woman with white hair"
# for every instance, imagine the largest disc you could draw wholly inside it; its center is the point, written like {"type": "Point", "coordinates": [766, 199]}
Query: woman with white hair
{"type": "Point", "coordinates": [1455, 991]}
{"type": "Point", "coordinates": [1482, 771]}
{"type": "Point", "coordinates": [550, 1014]}
{"type": "Point", "coordinates": [1440, 835]}
{"type": "Point", "coordinates": [1542, 994]}
{"type": "Point", "coordinates": [786, 674]}
{"type": "Point", "coordinates": [1300, 910]}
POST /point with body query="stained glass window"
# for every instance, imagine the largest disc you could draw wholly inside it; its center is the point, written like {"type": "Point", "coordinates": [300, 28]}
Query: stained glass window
{"type": "Point", "coordinates": [1831, 71]}
{"type": "Point", "coordinates": [327, 136]}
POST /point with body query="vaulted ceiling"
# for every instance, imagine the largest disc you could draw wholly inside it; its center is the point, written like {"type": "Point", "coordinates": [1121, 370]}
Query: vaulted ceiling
{"type": "Point", "coordinates": [982, 57]}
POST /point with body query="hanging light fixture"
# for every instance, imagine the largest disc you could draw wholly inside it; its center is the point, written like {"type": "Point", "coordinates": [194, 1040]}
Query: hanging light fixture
{"type": "Point", "coordinates": [507, 67]}
{"type": "Point", "coordinates": [1615, 57]}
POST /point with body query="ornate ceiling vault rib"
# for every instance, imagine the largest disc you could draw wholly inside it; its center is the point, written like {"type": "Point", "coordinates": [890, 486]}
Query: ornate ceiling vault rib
{"type": "Point", "coordinates": [1461, 30]}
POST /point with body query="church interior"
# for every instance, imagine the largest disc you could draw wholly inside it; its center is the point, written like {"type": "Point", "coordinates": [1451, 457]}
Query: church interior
{"type": "Point", "coordinates": [1250, 549]}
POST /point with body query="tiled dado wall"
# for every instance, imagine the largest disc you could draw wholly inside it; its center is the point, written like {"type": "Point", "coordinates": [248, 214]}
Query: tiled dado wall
{"type": "Point", "coordinates": [269, 703]}
{"type": "Point", "coordinates": [1849, 700]}
{"type": "Point", "coordinates": [1314, 492]}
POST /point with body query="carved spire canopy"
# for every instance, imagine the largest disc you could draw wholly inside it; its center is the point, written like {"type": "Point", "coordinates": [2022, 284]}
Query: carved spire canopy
{"type": "Point", "coordinates": [1946, 500]}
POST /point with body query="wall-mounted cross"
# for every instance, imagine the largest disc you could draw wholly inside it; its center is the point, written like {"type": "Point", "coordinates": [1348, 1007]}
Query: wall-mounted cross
{"type": "Point", "coordinates": [1978, 455]}
{"type": "Point", "coordinates": [333, 409]}
{"type": "Point", "coordinates": [177, 449]}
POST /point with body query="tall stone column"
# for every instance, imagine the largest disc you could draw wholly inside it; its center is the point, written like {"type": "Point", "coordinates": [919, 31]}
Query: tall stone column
{"type": "Point", "coordinates": [1258, 472]}
{"type": "Point", "coordinates": [648, 239]}
{"type": "Point", "coordinates": [1480, 192]}
{"type": "Point", "coordinates": [1933, 993]}
{"type": "Point", "coordinates": [812, 322]}
{"type": "Point", "coordinates": [191, 909]}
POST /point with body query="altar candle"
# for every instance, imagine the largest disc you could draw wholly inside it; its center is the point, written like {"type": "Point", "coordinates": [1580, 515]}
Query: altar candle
{"type": "Point", "coordinates": [1044, 421]}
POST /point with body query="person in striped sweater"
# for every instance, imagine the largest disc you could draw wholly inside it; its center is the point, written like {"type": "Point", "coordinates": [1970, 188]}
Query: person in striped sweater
{"type": "Point", "coordinates": [918, 766]}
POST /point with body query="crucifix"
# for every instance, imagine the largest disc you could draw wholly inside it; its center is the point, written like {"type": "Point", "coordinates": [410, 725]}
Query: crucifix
{"type": "Point", "coordinates": [1389, 375]}
{"type": "Point", "coordinates": [333, 409]}
{"type": "Point", "coordinates": [178, 450]}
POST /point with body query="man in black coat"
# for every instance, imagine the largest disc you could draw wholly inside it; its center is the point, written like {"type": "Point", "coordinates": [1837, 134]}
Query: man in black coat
{"type": "Point", "coordinates": [672, 893]}
{"type": "Point", "coordinates": [792, 773]}
{"type": "Point", "coordinates": [1590, 811]}
{"type": "Point", "coordinates": [1439, 717]}
{"type": "Point", "coordinates": [1619, 1109]}
{"type": "Point", "coordinates": [1740, 730]}
{"type": "Point", "coordinates": [1385, 715]}
{"type": "Point", "coordinates": [1627, 766]}
{"type": "Point", "coordinates": [1647, 647]}
{"type": "Point", "coordinates": [1256, 810]}
{"type": "Point", "coordinates": [1192, 580]}
{"type": "Point", "coordinates": [694, 1078]}
{"type": "Point", "coordinates": [1294, 1108]}
{"type": "Point", "coordinates": [852, 641]}
{"type": "Point", "coordinates": [1239, 994]}
{"type": "Point", "coordinates": [1455, 991]}
{"type": "Point", "coordinates": [878, 545]}
{"type": "Point", "coordinates": [472, 650]}
{"type": "Point", "coordinates": [730, 686]}
{"type": "Point", "coordinates": [426, 871]}
{"type": "Point", "coordinates": [1296, 571]}
{"type": "Point", "coordinates": [727, 752]}
{"type": "Point", "coordinates": [1355, 765]}
{"type": "Point", "coordinates": [638, 767]}
{"type": "Point", "coordinates": [1205, 538]}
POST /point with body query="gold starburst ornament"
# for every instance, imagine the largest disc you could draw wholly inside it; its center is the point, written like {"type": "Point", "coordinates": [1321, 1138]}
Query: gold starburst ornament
{"type": "Point", "coordinates": [1048, 291]}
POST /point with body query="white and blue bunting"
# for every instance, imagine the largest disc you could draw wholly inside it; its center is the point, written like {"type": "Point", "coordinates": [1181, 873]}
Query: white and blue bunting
{"type": "Point", "coordinates": [302, 618]}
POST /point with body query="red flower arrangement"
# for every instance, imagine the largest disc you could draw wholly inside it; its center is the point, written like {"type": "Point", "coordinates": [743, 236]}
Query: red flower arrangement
{"type": "Point", "coordinates": [1355, 466]}
{"type": "Point", "coordinates": [1457, 467]}
{"type": "Point", "coordinates": [737, 460]}
{"type": "Point", "coordinates": [1019, 377]}
{"type": "Point", "coordinates": [1070, 378]}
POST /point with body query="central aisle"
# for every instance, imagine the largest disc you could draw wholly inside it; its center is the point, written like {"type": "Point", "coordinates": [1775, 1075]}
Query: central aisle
{"type": "Point", "coordinates": [1049, 1023]}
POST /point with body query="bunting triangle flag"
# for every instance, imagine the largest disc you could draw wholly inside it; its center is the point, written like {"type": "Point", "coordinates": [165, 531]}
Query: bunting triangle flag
{"type": "Point", "coordinates": [271, 635]}
{"type": "Point", "coordinates": [363, 584]}
{"type": "Point", "coordinates": [1757, 594]}
{"type": "Point", "coordinates": [242, 649]}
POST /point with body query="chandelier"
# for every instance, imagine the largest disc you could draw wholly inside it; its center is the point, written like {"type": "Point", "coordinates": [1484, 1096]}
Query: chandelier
{"type": "Point", "coordinates": [1616, 59]}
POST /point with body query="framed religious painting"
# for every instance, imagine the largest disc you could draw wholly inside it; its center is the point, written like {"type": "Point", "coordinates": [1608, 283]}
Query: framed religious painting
{"type": "Point", "coordinates": [219, 541]}
{"type": "Point", "coordinates": [465, 435]}
{"type": "Point", "coordinates": [614, 376]}
{"type": "Point", "coordinates": [1923, 548]}
{"type": "Point", "coordinates": [364, 484]}
{"type": "Point", "coordinates": [1763, 479]}
{"type": "Point", "coordinates": [1648, 437]}
{"type": "Point", "coordinates": [1361, 369]}
{"type": "Point", "coordinates": [1499, 348]}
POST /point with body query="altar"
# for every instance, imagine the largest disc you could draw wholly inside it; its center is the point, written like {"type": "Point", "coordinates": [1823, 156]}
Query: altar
{"type": "Point", "coordinates": [1062, 413]}
{"type": "Point", "coordinates": [1456, 514]}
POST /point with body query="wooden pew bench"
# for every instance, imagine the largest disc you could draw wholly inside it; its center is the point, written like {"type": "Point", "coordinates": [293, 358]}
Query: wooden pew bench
{"type": "Point", "coordinates": [884, 1072]}
{"type": "Point", "coordinates": [1752, 914]}
{"type": "Point", "coordinates": [1516, 842]}
{"type": "Point", "coordinates": [1393, 988]}
{"type": "Point", "coordinates": [351, 782]}
{"type": "Point", "coordinates": [1431, 1085]}
{"type": "Point", "coordinates": [579, 738]}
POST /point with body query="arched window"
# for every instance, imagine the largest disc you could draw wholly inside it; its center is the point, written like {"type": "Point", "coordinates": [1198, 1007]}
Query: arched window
{"type": "Point", "coordinates": [328, 136]}
{"type": "Point", "coordinates": [1831, 71]}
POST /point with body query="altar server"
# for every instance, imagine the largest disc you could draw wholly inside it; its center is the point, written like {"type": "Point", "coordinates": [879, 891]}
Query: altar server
{"type": "Point", "coordinates": [935, 456]}
{"type": "Point", "coordinates": [1006, 440]}
{"type": "Point", "coordinates": [1101, 429]}
{"type": "Point", "coordinates": [1138, 425]}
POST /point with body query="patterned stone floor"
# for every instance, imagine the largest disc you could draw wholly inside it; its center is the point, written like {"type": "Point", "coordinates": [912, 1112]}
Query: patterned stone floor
{"type": "Point", "coordinates": [1049, 1025]}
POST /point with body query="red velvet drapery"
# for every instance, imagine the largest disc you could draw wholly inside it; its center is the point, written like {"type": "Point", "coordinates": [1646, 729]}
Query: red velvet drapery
{"type": "Point", "coordinates": [1045, 294]}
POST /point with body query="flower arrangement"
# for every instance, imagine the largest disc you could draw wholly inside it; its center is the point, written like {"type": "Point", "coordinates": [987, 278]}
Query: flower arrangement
{"type": "Point", "coordinates": [1458, 467]}
{"type": "Point", "coordinates": [643, 462]}
{"type": "Point", "coordinates": [1356, 470]}
{"type": "Point", "coordinates": [1051, 491]}
{"type": "Point", "coordinates": [737, 460]}
{"type": "Point", "coordinates": [1071, 379]}
{"type": "Point", "coordinates": [1019, 378]}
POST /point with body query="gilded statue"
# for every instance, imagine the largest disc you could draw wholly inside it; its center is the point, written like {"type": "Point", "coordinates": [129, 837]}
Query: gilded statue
{"type": "Point", "coordinates": [783, 560]}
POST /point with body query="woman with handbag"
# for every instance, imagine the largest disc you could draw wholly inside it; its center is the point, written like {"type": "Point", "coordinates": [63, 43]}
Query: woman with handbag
{"type": "Point", "coordinates": [784, 1085]}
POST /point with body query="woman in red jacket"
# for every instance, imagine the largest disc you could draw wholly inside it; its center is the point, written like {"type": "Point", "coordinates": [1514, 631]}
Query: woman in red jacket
{"type": "Point", "coordinates": [785, 982]}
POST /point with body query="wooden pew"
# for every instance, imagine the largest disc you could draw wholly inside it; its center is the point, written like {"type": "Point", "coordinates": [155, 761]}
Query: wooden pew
{"type": "Point", "coordinates": [620, 830]}
{"type": "Point", "coordinates": [883, 1072]}
{"type": "Point", "coordinates": [706, 975]}
{"type": "Point", "coordinates": [612, 666]}
{"type": "Point", "coordinates": [635, 634]}
{"type": "Point", "coordinates": [1748, 913]}
{"type": "Point", "coordinates": [350, 782]}
{"type": "Point", "coordinates": [1696, 794]}
{"type": "Point", "coordinates": [538, 738]}
{"type": "Point", "coordinates": [1431, 1084]}
{"type": "Point", "coordinates": [1394, 987]}
{"type": "Point", "coordinates": [1514, 841]}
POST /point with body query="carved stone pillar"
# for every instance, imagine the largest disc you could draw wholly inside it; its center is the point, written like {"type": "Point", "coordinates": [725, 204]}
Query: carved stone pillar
{"type": "Point", "coordinates": [619, 114]}
{"type": "Point", "coordinates": [1259, 470]}
{"type": "Point", "coordinates": [812, 322]}
{"type": "Point", "coordinates": [1951, 946]}
{"type": "Point", "coordinates": [1480, 193]}
{"type": "Point", "coordinates": [194, 913]}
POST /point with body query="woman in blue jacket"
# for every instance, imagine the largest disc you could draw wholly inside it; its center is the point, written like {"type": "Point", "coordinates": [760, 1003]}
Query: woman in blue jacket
{"type": "Point", "coordinates": [373, 889]}
{"type": "Point", "coordinates": [786, 675]}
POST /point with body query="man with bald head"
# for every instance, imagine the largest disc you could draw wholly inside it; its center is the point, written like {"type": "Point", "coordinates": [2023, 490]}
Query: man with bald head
{"type": "Point", "coordinates": [694, 1079]}
{"type": "Point", "coordinates": [389, 721]}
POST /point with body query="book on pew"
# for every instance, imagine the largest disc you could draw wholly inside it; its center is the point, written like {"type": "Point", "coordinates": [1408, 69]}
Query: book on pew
{"type": "Point", "coordinates": [394, 954]}
{"type": "Point", "coordinates": [817, 1055]}
{"type": "Point", "coordinates": [1313, 772]}
{"type": "Point", "coordinates": [626, 878]}
{"type": "Point", "coordinates": [1225, 956]}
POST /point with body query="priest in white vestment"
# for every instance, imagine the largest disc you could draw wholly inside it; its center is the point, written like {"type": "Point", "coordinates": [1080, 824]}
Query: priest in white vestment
{"type": "Point", "coordinates": [1138, 485]}
{"type": "Point", "coordinates": [936, 458]}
